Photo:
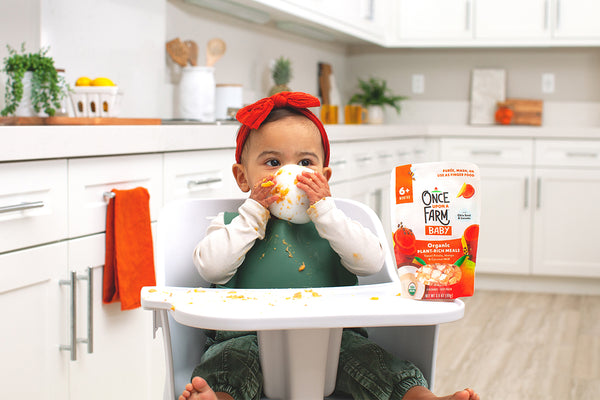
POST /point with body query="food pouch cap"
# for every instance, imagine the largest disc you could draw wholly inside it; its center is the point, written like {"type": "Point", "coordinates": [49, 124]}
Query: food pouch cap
{"type": "Point", "coordinates": [435, 225]}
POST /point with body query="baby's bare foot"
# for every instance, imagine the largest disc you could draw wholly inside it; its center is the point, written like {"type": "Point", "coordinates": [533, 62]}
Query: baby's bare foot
{"type": "Point", "coordinates": [198, 389]}
{"type": "Point", "coordinates": [422, 393]}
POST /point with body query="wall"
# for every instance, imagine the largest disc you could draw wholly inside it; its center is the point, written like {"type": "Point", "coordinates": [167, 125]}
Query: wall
{"type": "Point", "coordinates": [119, 39]}
{"type": "Point", "coordinates": [448, 73]}
{"type": "Point", "coordinates": [250, 50]}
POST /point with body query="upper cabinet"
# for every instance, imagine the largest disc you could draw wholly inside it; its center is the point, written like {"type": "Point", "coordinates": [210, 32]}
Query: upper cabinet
{"type": "Point", "coordinates": [497, 23]}
{"type": "Point", "coordinates": [434, 23]}
{"type": "Point", "coordinates": [434, 20]}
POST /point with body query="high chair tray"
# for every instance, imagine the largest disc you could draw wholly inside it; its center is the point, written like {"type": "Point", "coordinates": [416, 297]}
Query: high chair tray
{"type": "Point", "coordinates": [270, 309]}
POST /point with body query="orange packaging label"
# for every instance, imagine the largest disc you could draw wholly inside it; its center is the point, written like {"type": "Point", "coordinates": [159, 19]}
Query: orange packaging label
{"type": "Point", "coordinates": [403, 186]}
{"type": "Point", "coordinates": [435, 220]}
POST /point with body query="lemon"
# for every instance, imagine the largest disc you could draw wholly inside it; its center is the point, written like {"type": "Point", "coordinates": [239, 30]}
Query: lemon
{"type": "Point", "coordinates": [102, 82]}
{"type": "Point", "coordinates": [83, 81]}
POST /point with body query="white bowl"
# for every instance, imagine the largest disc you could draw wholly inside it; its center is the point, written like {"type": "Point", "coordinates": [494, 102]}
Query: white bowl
{"type": "Point", "coordinates": [293, 203]}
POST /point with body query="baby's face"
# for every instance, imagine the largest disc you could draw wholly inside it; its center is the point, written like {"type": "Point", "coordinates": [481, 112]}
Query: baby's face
{"type": "Point", "coordinates": [290, 140]}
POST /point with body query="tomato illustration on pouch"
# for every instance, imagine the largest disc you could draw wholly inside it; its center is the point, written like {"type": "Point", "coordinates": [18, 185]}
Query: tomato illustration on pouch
{"type": "Point", "coordinates": [404, 245]}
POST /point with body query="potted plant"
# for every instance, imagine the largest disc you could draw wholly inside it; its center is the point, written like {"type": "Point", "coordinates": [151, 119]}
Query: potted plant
{"type": "Point", "coordinates": [33, 83]}
{"type": "Point", "coordinates": [282, 74]}
{"type": "Point", "coordinates": [374, 95]}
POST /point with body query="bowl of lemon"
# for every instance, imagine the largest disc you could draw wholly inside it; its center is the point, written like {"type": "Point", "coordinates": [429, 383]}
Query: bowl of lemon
{"type": "Point", "coordinates": [98, 97]}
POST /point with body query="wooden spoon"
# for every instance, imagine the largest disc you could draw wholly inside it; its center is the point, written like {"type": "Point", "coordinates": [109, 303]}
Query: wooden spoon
{"type": "Point", "coordinates": [193, 50]}
{"type": "Point", "coordinates": [214, 51]}
{"type": "Point", "coordinates": [178, 51]}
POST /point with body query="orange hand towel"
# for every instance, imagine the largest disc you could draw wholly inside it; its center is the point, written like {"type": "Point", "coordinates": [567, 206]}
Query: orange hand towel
{"type": "Point", "coordinates": [129, 258]}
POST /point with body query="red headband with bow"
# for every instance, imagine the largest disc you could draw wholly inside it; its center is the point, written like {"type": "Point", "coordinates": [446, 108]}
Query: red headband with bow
{"type": "Point", "coordinates": [253, 115]}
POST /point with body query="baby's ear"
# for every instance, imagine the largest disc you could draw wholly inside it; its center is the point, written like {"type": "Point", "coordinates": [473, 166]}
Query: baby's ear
{"type": "Point", "coordinates": [327, 173]}
{"type": "Point", "coordinates": [239, 173]}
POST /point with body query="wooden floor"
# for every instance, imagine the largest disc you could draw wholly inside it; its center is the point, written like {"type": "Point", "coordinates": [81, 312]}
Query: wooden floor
{"type": "Point", "coordinates": [523, 346]}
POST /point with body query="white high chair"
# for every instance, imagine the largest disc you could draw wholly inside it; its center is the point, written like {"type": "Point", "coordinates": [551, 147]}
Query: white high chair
{"type": "Point", "coordinates": [299, 341]}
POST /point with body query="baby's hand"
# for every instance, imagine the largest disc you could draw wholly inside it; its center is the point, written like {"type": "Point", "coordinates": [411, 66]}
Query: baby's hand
{"type": "Point", "coordinates": [315, 185]}
{"type": "Point", "coordinates": [262, 192]}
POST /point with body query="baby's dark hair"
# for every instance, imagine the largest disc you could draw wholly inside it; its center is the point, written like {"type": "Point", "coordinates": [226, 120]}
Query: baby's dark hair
{"type": "Point", "coordinates": [275, 115]}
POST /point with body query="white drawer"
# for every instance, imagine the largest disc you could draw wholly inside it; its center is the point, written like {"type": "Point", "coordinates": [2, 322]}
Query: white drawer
{"type": "Point", "coordinates": [341, 162]}
{"type": "Point", "coordinates": [567, 153]}
{"type": "Point", "coordinates": [204, 174]}
{"type": "Point", "coordinates": [90, 178]}
{"type": "Point", "coordinates": [488, 151]}
{"type": "Point", "coordinates": [33, 203]}
{"type": "Point", "coordinates": [28, 267]}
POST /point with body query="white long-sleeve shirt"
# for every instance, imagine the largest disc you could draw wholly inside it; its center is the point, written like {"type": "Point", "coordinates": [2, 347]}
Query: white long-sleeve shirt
{"type": "Point", "coordinates": [223, 249]}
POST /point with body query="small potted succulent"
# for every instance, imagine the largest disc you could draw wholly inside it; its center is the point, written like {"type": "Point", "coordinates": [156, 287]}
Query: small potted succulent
{"type": "Point", "coordinates": [33, 86]}
{"type": "Point", "coordinates": [281, 73]}
{"type": "Point", "coordinates": [374, 95]}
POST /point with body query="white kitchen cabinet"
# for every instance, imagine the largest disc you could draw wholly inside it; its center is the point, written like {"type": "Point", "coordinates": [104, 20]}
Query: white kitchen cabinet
{"type": "Point", "coordinates": [423, 20]}
{"type": "Point", "coordinates": [513, 19]}
{"type": "Point", "coordinates": [122, 345]}
{"type": "Point", "coordinates": [505, 226]}
{"type": "Point", "coordinates": [33, 203]}
{"type": "Point", "coordinates": [33, 323]}
{"type": "Point", "coordinates": [576, 19]}
{"type": "Point", "coordinates": [506, 204]}
{"type": "Point", "coordinates": [90, 178]}
{"type": "Point", "coordinates": [204, 174]}
{"type": "Point", "coordinates": [566, 222]}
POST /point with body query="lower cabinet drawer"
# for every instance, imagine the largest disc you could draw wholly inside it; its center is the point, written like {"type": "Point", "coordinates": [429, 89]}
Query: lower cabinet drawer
{"type": "Point", "coordinates": [488, 151]}
{"type": "Point", "coordinates": [91, 178]}
{"type": "Point", "coordinates": [199, 174]}
{"type": "Point", "coordinates": [33, 203]}
{"type": "Point", "coordinates": [567, 153]}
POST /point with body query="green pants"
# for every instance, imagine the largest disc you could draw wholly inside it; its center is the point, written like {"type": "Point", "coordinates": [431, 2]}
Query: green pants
{"type": "Point", "coordinates": [231, 364]}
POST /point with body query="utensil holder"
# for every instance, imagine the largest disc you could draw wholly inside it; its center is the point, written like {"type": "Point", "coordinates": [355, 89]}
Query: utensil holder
{"type": "Point", "coordinates": [196, 95]}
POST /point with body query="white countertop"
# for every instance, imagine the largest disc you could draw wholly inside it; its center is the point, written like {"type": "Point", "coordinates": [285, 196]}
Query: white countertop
{"type": "Point", "coordinates": [46, 142]}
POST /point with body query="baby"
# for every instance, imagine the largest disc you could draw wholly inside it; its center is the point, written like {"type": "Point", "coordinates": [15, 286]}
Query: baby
{"type": "Point", "coordinates": [277, 131]}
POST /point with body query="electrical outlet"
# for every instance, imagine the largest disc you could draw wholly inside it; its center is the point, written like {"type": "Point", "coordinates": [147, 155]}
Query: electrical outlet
{"type": "Point", "coordinates": [548, 83]}
{"type": "Point", "coordinates": [418, 83]}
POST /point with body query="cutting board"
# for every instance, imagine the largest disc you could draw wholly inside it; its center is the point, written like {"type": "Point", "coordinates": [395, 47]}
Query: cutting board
{"type": "Point", "coordinates": [77, 121]}
{"type": "Point", "coordinates": [526, 112]}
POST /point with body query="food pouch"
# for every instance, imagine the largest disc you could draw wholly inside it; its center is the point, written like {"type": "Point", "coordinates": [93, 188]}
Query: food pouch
{"type": "Point", "coordinates": [435, 225]}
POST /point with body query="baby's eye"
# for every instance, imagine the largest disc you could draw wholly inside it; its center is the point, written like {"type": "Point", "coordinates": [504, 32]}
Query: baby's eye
{"type": "Point", "coordinates": [273, 163]}
{"type": "Point", "coordinates": [305, 163]}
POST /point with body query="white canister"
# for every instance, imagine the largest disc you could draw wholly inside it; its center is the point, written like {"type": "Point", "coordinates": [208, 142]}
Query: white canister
{"type": "Point", "coordinates": [228, 96]}
{"type": "Point", "coordinates": [196, 97]}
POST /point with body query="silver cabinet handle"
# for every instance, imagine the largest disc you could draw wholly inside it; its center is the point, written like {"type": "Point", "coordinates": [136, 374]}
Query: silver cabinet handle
{"type": "Point", "coordinates": [338, 162]}
{"type": "Point", "coordinates": [22, 206]}
{"type": "Point", "coordinates": [538, 202]}
{"type": "Point", "coordinates": [577, 154]}
{"type": "Point", "coordinates": [468, 15]}
{"type": "Point", "coordinates": [486, 152]}
{"type": "Point", "coordinates": [73, 340]}
{"type": "Point", "coordinates": [90, 310]}
{"type": "Point", "coordinates": [526, 204]}
{"type": "Point", "coordinates": [72, 346]}
{"type": "Point", "coordinates": [201, 182]}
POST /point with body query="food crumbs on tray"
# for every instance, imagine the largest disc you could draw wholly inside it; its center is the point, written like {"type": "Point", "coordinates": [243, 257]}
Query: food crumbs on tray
{"type": "Point", "coordinates": [374, 298]}
{"type": "Point", "coordinates": [152, 290]}
{"type": "Point", "coordinates": [399, 294]}
{"type": "Point", "coordinates": [290, 255]}
{"type": "Point", "coordinates": [357, 256]}
{"type": "Point", "coordinates": [302, 267]}
{"type": "Point", "coordinates": [298, 295]}
{"type": "Point", "coordinates": [315, 294]}
{"type": "Point", "coordinates": [172, 308]}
